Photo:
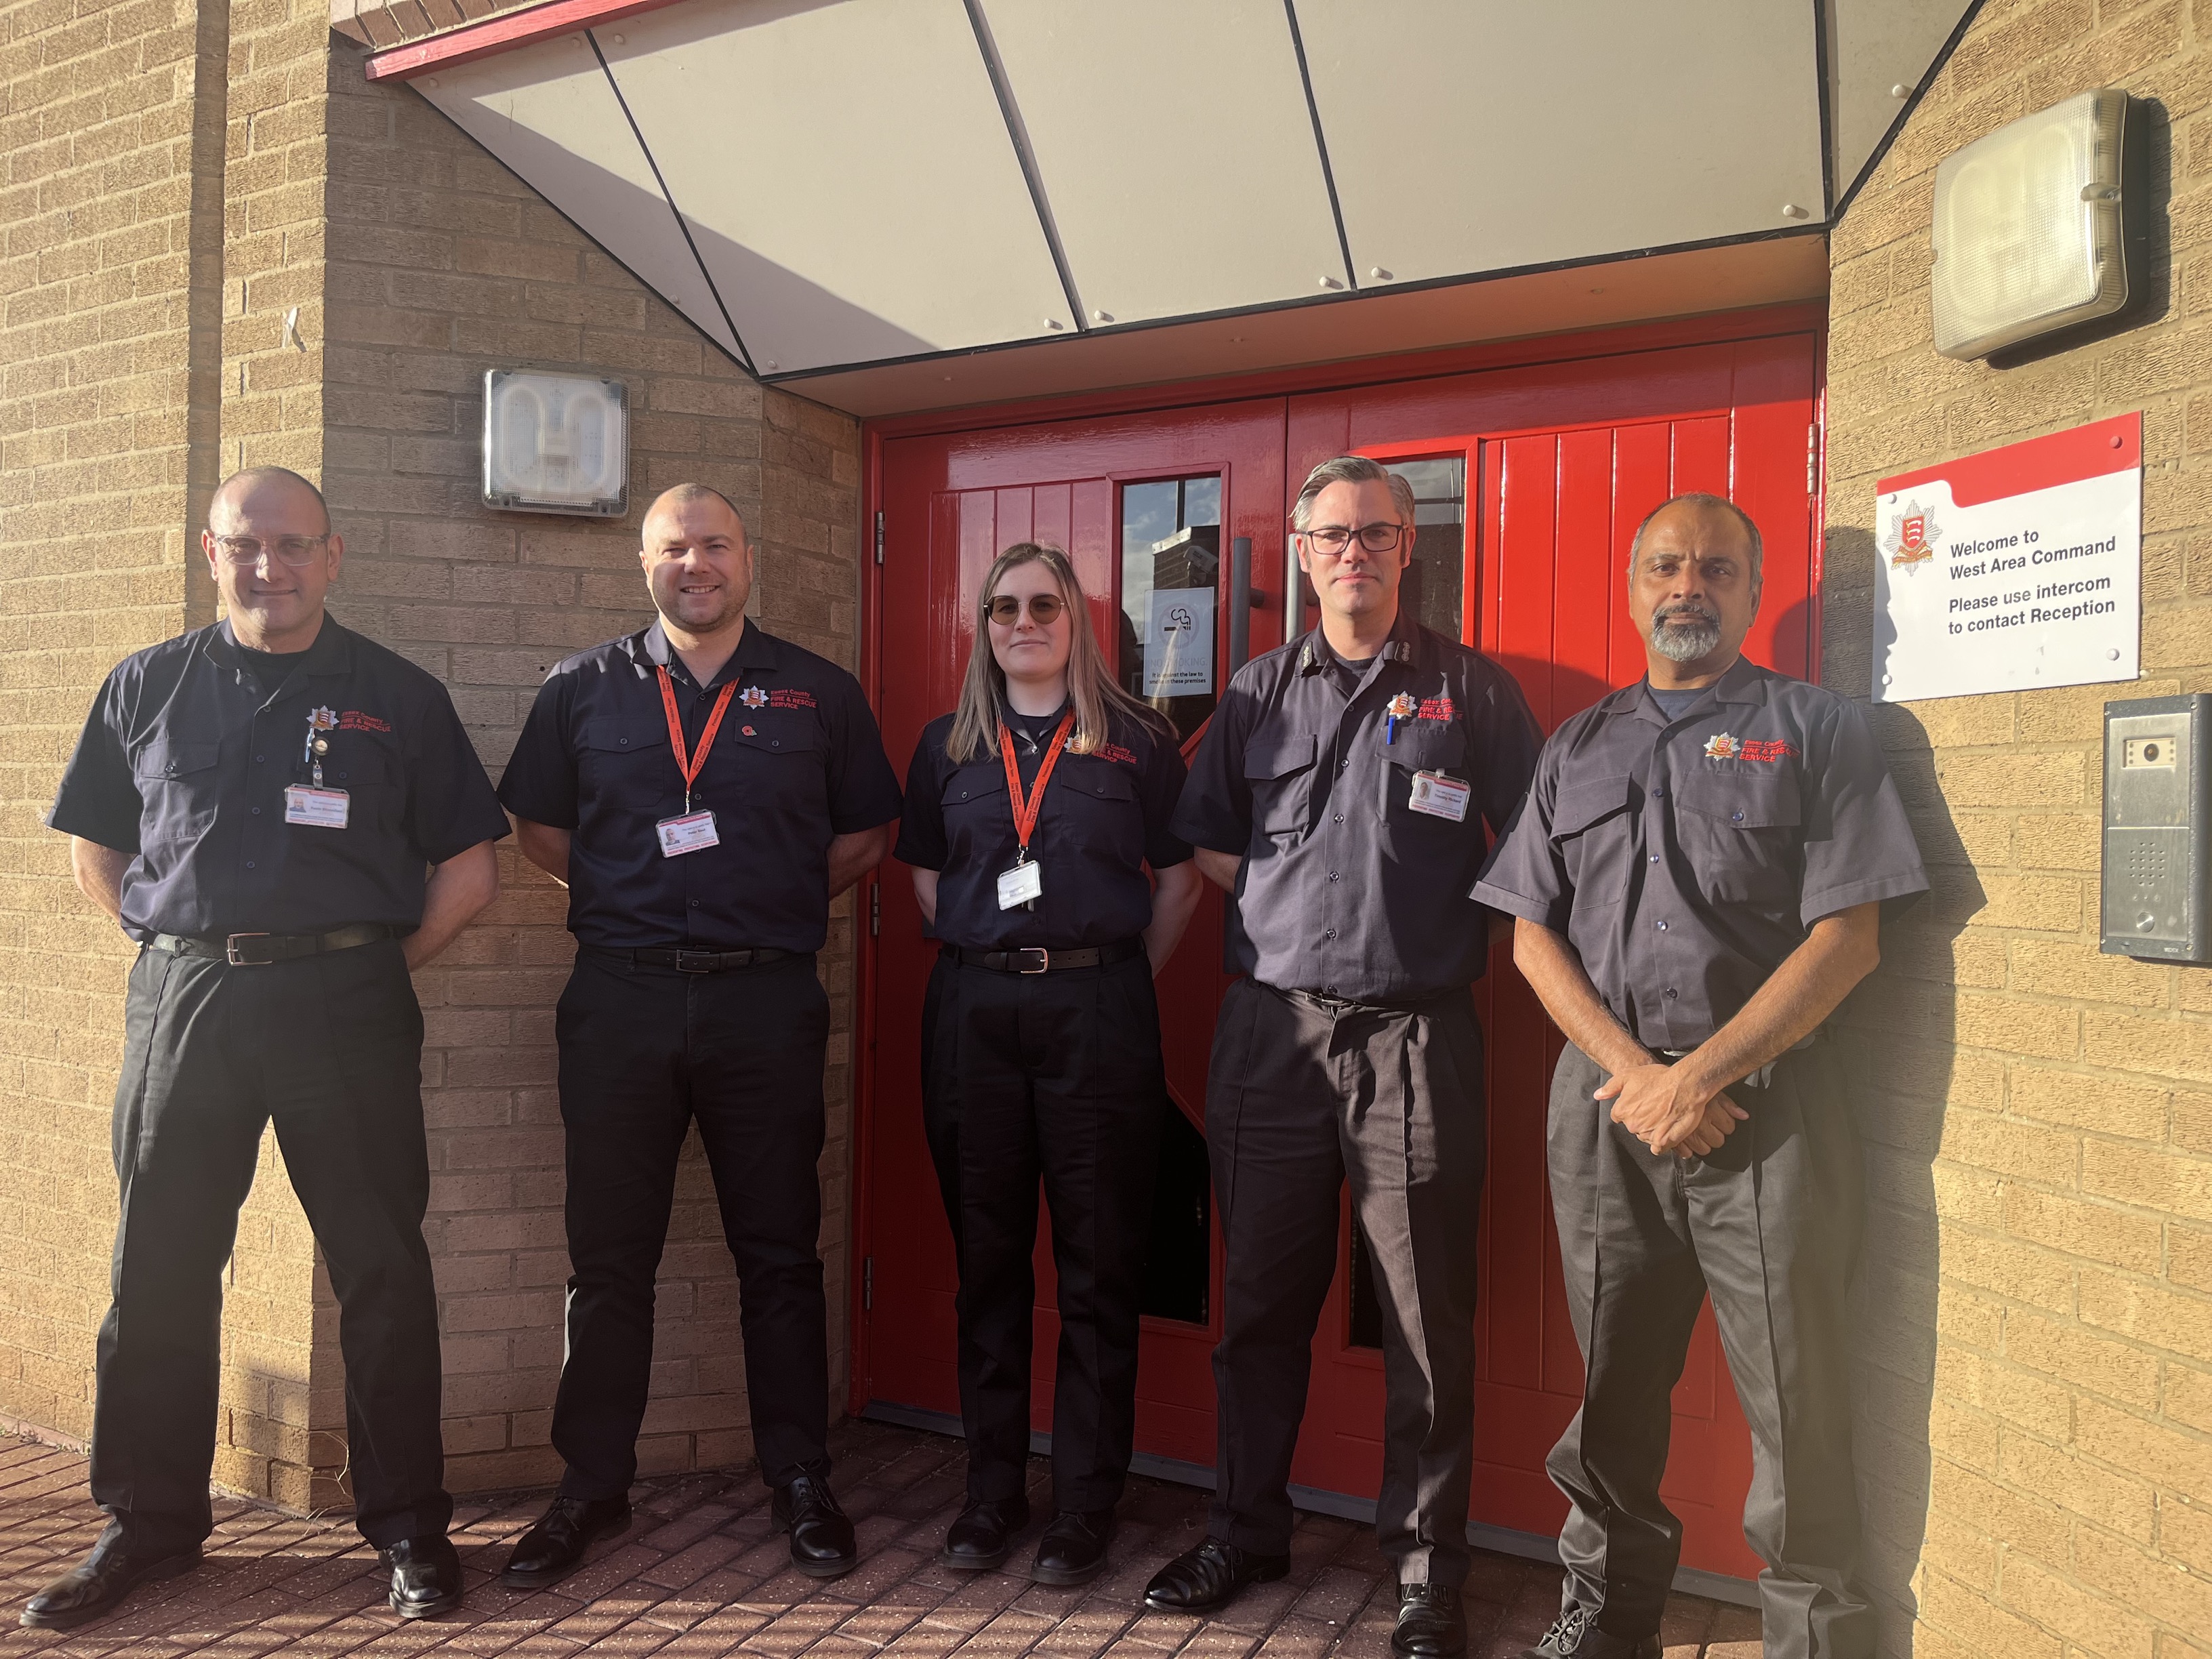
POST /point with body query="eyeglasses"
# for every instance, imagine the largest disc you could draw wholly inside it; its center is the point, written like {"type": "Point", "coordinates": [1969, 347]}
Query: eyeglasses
{"type": "Point", "coordinates": [1006, 609]}
{"type": "Point", "coordinates": [1377, 538]}
{"type": "Point", "coordinates": [246, 551]}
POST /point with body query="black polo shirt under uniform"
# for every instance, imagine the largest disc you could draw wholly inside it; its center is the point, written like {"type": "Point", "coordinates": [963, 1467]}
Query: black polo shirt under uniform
{"type": "Point", "coordinates": [1686, 858]}
{"type": "Point", "coordinates": [796, 762]}
{"type": "Point", "coordinates": [190, 745]}
{"type": "Point", "coordinates": [1104, 818]}
{"type": "Point", "coordinates": [1346, 889]}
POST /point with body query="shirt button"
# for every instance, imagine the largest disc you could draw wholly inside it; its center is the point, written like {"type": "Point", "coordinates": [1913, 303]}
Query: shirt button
{"type": "Point", "coordinates": [1662, 926]}
{"type": "Point", "coordinates": [1332, 874]}
{"type": "Point", "coordinates": [257, 759]}
{"type": "Point", "coordinates": [257, 811]}
{"type": "Point", "coordinates": [1346, 761]}
{"type": "Point", "coordinates": [249, 864]}
{"type": "Point", "coordinates": [1672, 994]}
{"type": "Point", "coordinates": [1654, 857]}
{"type": "Point", "coordinates": [1660, 793]}
{"type": "Point", "coordinates": [1328, 990]}
{"type": "Point", "coordinates": [1328, 932]}
{"type": "Point", "coordinates": [695, 905]}
{"type": "Point", "coordinates": [622, 742]}
{"type": "Point", "coordinates": [1738, 817]}
{"type": "Point", "coordinates": [1339, 818]}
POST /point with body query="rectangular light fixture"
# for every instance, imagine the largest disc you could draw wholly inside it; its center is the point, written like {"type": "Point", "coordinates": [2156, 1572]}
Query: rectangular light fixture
{"type": "Point", "coordinates": [2029, 235]}
{"type": "Point", "coordinates": [556, 443]}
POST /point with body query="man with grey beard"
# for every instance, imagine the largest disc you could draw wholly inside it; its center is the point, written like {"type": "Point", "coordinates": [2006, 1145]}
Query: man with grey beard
{"type": "Point", "coordinates": [1697, 878]}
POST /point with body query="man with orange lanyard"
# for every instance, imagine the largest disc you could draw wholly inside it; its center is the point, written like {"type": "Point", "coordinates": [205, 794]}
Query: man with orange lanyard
{"type": "Point", "coordinates": [703, 790]}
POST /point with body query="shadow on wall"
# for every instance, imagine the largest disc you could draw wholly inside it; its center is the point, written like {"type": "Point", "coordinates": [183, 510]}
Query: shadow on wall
{"type": "Point", "coordinates": [1896, 1033]}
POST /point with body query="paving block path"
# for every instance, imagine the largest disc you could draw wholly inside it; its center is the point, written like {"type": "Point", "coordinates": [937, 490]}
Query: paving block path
{"type": "Point", "coordinates": [699, 1576]}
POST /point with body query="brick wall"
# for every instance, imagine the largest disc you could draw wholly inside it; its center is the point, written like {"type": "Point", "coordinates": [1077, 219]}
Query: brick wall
{"type": "Point", "coordinates": [227, 249]}
{"type": "Point", "coordinates": [2037, 1436]}
{"type": "Point", "coordinates": [112, 132]}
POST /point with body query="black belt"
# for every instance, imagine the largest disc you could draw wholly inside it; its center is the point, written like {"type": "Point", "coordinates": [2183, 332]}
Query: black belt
{"type": "Point", "coordinates": [699, 962]}
{"type": "Point", "coordinates": [1035, 959]}
{"type": "Point", "coordinates": [259, 950]}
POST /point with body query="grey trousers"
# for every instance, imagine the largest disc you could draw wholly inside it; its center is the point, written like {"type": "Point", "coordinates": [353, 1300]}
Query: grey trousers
{"type": "Point", "coordinates": [1770, 1224]}
{"type": "Point", "coordinates": [1302, 1093]}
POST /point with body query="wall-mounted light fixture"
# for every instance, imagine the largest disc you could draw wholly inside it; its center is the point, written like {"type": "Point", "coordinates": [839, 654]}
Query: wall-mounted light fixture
{"type": "Point", "coordinates": [2030, 235]}
{"type": "Point", "coordinates": [556, 443]}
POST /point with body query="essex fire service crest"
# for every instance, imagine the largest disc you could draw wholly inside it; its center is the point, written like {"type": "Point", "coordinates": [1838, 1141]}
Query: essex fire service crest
{"type": "Point", "coordinates": [1721, 747]}
{"type": "Point", "coordinates": [1911, 539]}
{"type": "Point", "coordinates": [753, 697]}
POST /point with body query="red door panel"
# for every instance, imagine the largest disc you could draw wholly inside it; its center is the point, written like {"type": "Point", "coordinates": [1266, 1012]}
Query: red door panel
{"type": "Point", "coordinates": [1562, 461]}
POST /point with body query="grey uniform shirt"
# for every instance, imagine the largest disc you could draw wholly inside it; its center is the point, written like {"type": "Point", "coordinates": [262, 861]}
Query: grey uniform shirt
{"type": "Point", "coordinates": [1346, 889]}
{"type": "Point", "coordinates": [1685, 859]}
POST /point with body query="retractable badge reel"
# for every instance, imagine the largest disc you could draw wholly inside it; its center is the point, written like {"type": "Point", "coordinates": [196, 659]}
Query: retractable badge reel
{"type": "Point", "coordinates": [310, 803]}
{"type": "Point", "coordinates": [1024, 885]}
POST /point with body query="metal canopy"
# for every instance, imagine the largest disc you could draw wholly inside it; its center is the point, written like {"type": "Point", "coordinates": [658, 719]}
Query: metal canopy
{"type": "Point", "coordinates": [830, 189]}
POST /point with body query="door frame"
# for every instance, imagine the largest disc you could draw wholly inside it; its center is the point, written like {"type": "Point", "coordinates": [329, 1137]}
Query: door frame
{"type": "Point", "coordinates": [1809, 317]}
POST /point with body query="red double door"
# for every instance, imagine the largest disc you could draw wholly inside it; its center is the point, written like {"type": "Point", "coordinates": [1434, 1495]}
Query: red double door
{"type": "Point", "coordinates": [1530, 480]}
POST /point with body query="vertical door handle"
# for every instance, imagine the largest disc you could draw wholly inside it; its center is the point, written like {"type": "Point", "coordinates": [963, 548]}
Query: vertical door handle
{"type": "Point", "coordinates": [1241, 602]}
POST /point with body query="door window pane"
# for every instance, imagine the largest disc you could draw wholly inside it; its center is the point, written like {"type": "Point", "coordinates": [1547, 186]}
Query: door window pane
{"type": "Point", "coordinates": [1432, 589]}
{"type": "Point", "coordinates": [1170, 573]}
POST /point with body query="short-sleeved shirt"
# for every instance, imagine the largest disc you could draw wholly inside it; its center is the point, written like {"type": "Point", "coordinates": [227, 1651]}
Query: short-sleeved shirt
{"type": "Point", "coordinates": [1685, 859]}
{"type": "Point", "coordinates": [1104, 818]}
{"type": "Point", "coordinates": [1346, 890]}
{"type": "Point", "coordinates": [191, 743]}
{"type": "Point", "coordinates": [796, 762]}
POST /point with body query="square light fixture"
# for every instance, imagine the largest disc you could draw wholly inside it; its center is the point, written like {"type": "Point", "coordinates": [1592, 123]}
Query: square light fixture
{"type": "Point", "coordinates": [556, 443]}
{"type": "Point", "coordinates": [2029, 232]}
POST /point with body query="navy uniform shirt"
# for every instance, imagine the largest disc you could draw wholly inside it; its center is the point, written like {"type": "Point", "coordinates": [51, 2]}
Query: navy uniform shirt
{"type": "Point", "coordinates": [190, 745]}
{"type": "Point", "coordinates": [1685, 859]}
{"type": "Point", "coordinates": [1104, 819]}
{"type": "Point", "coordinates": [796, 763]}
{"type": "Point", "coordinates": [1346, 889]}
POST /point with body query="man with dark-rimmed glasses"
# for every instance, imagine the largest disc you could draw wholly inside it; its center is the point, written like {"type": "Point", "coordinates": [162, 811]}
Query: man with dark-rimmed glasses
{"type": "Point", "coordinates": [286, 818]}
{"type": "Point", "coordinates": [1340, 795]}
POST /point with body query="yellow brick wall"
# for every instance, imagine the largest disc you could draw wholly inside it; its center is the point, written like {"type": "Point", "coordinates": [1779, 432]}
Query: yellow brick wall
{"type": "Point", "coordinates": [2036, 1433]}
{"type": "Point", "coordinates": [180, 177]}
{"type": "Point", "coordinates": [110, 129]}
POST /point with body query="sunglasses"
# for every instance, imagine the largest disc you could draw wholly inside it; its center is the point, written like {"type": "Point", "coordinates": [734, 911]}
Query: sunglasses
{"type": "Point", "coordinates": [1044, 608]}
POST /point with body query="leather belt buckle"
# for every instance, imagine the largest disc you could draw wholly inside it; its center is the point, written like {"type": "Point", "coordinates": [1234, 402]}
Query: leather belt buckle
{"type": "Point", "coordinates": [232, 954]}
{"type": "Point", "coordinates": [697, 962]}
{"type": "Point", "coordinates": [1043, 959]}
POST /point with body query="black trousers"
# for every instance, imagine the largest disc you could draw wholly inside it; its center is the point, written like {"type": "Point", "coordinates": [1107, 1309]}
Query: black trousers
{"type": "Point", "coordinates": [330, 1049]}
{"type": "Point", "coordinates": [1770, 1224]}
{"type": "Point", "coordinates": [1054, 1076]}
{"type": "Point", "coordinates": [1303, 1091]}
{"type": "Point", "coordinates": [644, 1051]}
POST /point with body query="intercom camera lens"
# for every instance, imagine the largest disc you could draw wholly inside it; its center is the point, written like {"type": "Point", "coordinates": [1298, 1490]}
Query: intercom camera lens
{"type": "Point", "coordinates": [2150, 751]}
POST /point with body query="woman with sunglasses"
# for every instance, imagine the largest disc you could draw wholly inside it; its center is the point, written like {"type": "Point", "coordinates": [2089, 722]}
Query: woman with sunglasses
{"type": "Point", "coordinates": [1032, 812]}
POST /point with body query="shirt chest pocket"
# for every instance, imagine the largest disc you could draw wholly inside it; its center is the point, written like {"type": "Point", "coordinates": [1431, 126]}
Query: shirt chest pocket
{"type": "Point", "coordinates": [1096, 801]}
{"type": "Point", "coordinates": [1593, 827]}
{"type": "Point", "coordinates": [628, 759]}
{"type": "Point", "coordinates": [779, 768]}
{"type": "Point", "coordinates": [1743, 834]}
{"type": "Point", "coordinates": [1279, 769]}
{"type": "Point", "coordinates": [1437, 746]}
{"type": "Point", "coordinates": [979, 817]}
{"type": "Point", "coordinates": [179, 784]}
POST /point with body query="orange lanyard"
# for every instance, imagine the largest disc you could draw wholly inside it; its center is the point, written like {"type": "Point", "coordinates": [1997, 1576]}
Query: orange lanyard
{"type": "Point", "coordinates": [688, 765]}
{"type": "Point", "coordinates": [1026, 810]}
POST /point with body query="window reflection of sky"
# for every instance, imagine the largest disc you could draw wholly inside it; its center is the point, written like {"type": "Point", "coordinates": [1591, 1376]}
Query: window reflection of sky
{"type": "Point", "coordinates": [1156, 516]}
{"type": "Point", "coordinates": [1433, 587]}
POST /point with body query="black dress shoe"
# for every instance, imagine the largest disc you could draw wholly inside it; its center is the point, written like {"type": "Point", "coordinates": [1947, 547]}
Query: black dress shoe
{"type": "Point", "coordinates": [97, 1584]}
{"type": "Point", "coordinates": [983, 1535]}
{"type": "Point", "coordinates": [1073, 1548]}
{"type": "Point", "coordinates": [1209, 1575]}
{"type": "Point", "coordinates": [821, 1536]}
{"type": "Point", "coordinates": [426, 1576]}
{"type": "Point", "coordinates": [1575, 1635]}
{"type": "Point", "coordinates": [550, 1551]}
{"type": "Point", "coordinates": [1429, 1621]}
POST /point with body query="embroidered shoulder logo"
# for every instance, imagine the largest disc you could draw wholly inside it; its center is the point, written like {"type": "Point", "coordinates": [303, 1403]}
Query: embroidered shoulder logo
{"type": "Point", "coordinates": [1769, 750]}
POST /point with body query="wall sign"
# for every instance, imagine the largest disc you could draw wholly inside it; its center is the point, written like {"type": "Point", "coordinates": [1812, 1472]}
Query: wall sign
{"type": "Point", "coordinates": [2013, 569]}
{"type": "Point", "coordinates": [1179, 642]}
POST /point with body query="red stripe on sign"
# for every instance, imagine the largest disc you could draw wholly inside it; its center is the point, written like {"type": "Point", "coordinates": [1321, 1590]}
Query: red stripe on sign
{"type": "Point", "coordinates": [2087, 452]}
{"type": "Point", "coordinates": [501, 32]}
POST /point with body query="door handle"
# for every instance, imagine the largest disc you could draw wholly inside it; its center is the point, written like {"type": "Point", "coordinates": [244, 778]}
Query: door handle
{"type": "Point", "coordinates": [1243, 602]}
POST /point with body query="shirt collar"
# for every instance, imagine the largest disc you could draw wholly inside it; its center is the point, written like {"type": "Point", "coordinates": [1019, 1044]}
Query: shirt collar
{"type": "Point", "coordinates": [755, 650]}
{"type": "Point", "coordinates": [1404, 646]}
{"type": "Point", "coordinates": [1744, 682]}
{"type": "Point", "coordinates": [330, 654]}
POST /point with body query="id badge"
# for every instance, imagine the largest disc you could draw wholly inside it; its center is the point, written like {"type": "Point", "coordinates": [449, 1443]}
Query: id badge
{"type": "Point", "coordinates": [1020, 885]}
{"type": "Point", "coordinates": [1440, 797]}
{"type": "Point", "coordinates": [687, 834]}
{"type": "Point", "coordinates": [323, 809]}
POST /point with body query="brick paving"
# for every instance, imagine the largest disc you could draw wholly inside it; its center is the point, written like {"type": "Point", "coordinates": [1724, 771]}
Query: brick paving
{"type": "Point", "coordinates": [699, 1576]}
